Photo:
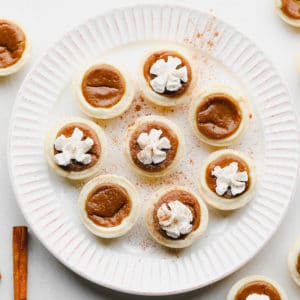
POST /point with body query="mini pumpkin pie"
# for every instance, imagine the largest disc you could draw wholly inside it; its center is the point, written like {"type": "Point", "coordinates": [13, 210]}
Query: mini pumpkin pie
{"type": "Point", "coordinates": [219, 116]}
{"type": "Point", "coordinates": [109, 206]}
{"type": "Point", "coordinates": [14, 47]}
{"type": "Point", "coordinates": [294, 262]}
{"type": "Point", "coordinates": [154, 146]}
{"type": "Point", "coordinates": [176, 217]}
{"type": "Point", "coordinates": [75, 148]}
{"type": "Point", "coordinates": [167, 77]}
{"type": "Point", "coordinates": [256, 288]}
{"type": "Point", "coordinates": [227, 179]}
{"type": "Point", "coordinates": [289, 11]}
{"type": "Point", "coordinates": [104, 91]}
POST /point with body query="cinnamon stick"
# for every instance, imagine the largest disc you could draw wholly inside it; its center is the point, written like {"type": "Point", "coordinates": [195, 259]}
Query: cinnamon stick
{"type": "Point", "coordinates": [20, 262]}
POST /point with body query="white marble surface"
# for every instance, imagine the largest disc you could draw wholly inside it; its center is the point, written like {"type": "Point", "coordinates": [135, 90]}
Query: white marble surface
{"type": "Point", "coordinates": [46, 21]}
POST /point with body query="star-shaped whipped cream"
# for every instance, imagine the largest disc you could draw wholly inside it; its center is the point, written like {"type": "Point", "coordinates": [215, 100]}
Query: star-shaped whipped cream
{"type": "Point", "coordinates": [168, 76]}
{"type": "Point", "coordinates": [73, 148]}
{"type": "Point", "coordinates": [258, 297]}
{"type": "Point", "coordinates": [175, 218]}
{"type": "Point", "coordinates": [229, 178]}
{"type": "Point", "coordinates": [152, 146]}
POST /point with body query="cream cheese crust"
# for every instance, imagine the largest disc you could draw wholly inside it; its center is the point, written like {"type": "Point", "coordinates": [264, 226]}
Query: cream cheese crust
{"type": "Point", "coordinates": [238, 285]}
{"type": "Point", "coordinates": [290, 21]}
{"type": "Point", "coordinates": [127, 223]}
{"type": "Point", "coordinates": [102, 112]}
{"type": "Point", "coordinates": [232, 94]}
{"type": "Point", "coordinates": [220, 202]}
{"type": "Point", "coordinates": [192, 236]}
{"type": "Point", "coordinates": [292, 261]}
{"type": "Point", "coordinates": [81, 175]}
{"type": "Point", "coordinates": [160, 99]}
{"type": "Point", "coordinates": [25, 55]}
{"type": "Point", "coordinates": [180, 150]}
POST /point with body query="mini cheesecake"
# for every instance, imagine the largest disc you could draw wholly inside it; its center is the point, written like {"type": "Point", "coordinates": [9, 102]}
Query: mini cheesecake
{"type": "Point", "coordinates": [109, 206]}
{"type": "Point", "coordinates": [294, 262]}
{"type": "Point", "coordinates": [167, 77]}
{"type": "Point", "coordinates": [227, 179]}
{"type": "Point", "coordinates": [104, 91]}
{"type": "Point", "coordinates": [256, 288]}
{"type": "Point", "coordinates": [14, 47]}
{"type": "Point", "coordinates": [75, 148]}
{"type": "Point", "coordinates": [154, 146]}
{"type": "Point", "coordinates": [176, 217]}
{"type": "Point", "coordinates": [219, 116]}
{"type": "Point", "coordinates": [289, 11]}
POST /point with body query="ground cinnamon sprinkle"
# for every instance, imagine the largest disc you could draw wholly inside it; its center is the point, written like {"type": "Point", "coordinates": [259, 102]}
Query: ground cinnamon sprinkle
{"type": "Point", "coordinates": [138, 107]}
{"type": "Point", "coordinates": [199, 35]}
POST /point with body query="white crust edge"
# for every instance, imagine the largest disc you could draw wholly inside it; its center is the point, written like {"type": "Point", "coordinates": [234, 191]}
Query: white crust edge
{"type": "Point", "coordinates": [162, 100]}
{"type": "Point", "coordinates": [180, 150]}
{"type": "Point", "coordinates": [235, 288]}
{"type": "Point", "coordinates": [284, 17]}
{"type": "Point", "coordinates": [292, 261]}
{"type": "Point", "coordinates": [100, 112]}
{"type": "Point", "coordinates": [25, 55]}
{"type": "Point", "coordinates": [49, 142]}
{"type": "Point", "coordinates": [191, 237]}
{"type": "Point", "coordinates": [127, 223]}
{"type": "Point", "coordinates": [219, 202]}
{"type": "Point", "coordinates": [235, 96]}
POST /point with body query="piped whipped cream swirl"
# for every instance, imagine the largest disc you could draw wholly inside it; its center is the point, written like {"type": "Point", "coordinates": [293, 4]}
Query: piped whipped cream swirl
{"type": "Point", "coordinates": [175, 219]}
{"type": "Point", "coordinates": [152, 146]}
{"type": "Point", "coordinates": [258, 297]}
{"type": "Point", "coordinates": [73, 148]}
{"type": "Point", "coordinates": [230, 179]}
{"type": "Point", "coordinates": [168, 76]}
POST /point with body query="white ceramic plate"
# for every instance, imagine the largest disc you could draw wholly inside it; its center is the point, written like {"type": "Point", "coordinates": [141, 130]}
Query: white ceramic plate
{"type": "Point", "coordinates": [134, 263]}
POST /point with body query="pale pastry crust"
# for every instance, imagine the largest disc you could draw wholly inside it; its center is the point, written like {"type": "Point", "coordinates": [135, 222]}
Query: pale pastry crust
{"type": "Point", "coordinates": [23, 59]}
{"type": "Point", "coordinates": [235, 96]}
{"type": "Point", "coordinates": [127, 223]}
{"type": "Point", "coordinates": [220, 202]}
{"type": "Point", "coordinates": [292, 261]}
{"type": "Point", "coordinates": [81, 175]}
{"type": "Point", "coordinates": [284, 17]}
{"type": "Point", "coordinates": [180, 150]}
{"type": "Point", "coordinates": [238, 285]}
{"type": "Point", "coordinates": [192, 236]}
{"type": "Point", "coordinates": [102, 112]}
{"type": "Point", "coordinates": [160, 99]}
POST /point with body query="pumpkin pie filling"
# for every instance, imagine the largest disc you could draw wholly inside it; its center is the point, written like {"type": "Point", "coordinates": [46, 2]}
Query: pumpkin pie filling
{"type": "Point", "coordinates": [291, 8]}
{"type": "Point", "coordinates": [222, 162]}
{"type": "Point", "coordinates": [103, 86]}
{"type": "Point", "coordinates": [218, 117]}
{"type": "Point", "coordinates": [298, 264]}
{"type": "Point", "coordinates": [108, 204]}
{"type": "Point", "coordinates": [258, 287]}
{"type": "Point", "coordinates": [184, 197]}
{"type": "Point", "coordinates": [95, 150]}
{"type": "Point", "coordinates": [12, 43]}
{"type": "Point", "coordinates": [170, 153]}
{"type": "Point", "coordinates": [164, 55]}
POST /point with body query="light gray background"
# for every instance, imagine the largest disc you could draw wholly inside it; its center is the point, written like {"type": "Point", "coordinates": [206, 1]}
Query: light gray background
{"type": "Point", "coordinates": [46, 21]}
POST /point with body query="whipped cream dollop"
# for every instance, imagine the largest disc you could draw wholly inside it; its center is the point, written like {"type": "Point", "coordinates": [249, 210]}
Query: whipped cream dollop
{"type": "Point", "coordinates": [152, 146]}
{"type": "Point", "coordinates": [258, 297]}
{"type": "Point", "coordinates": [168, 76]}
{"type": "Point", "coordinates": [175, 218]}
{"type": "Point", "coordinates": [229, 178]}
{"type": "Point", "coordinates": [73, 148]}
